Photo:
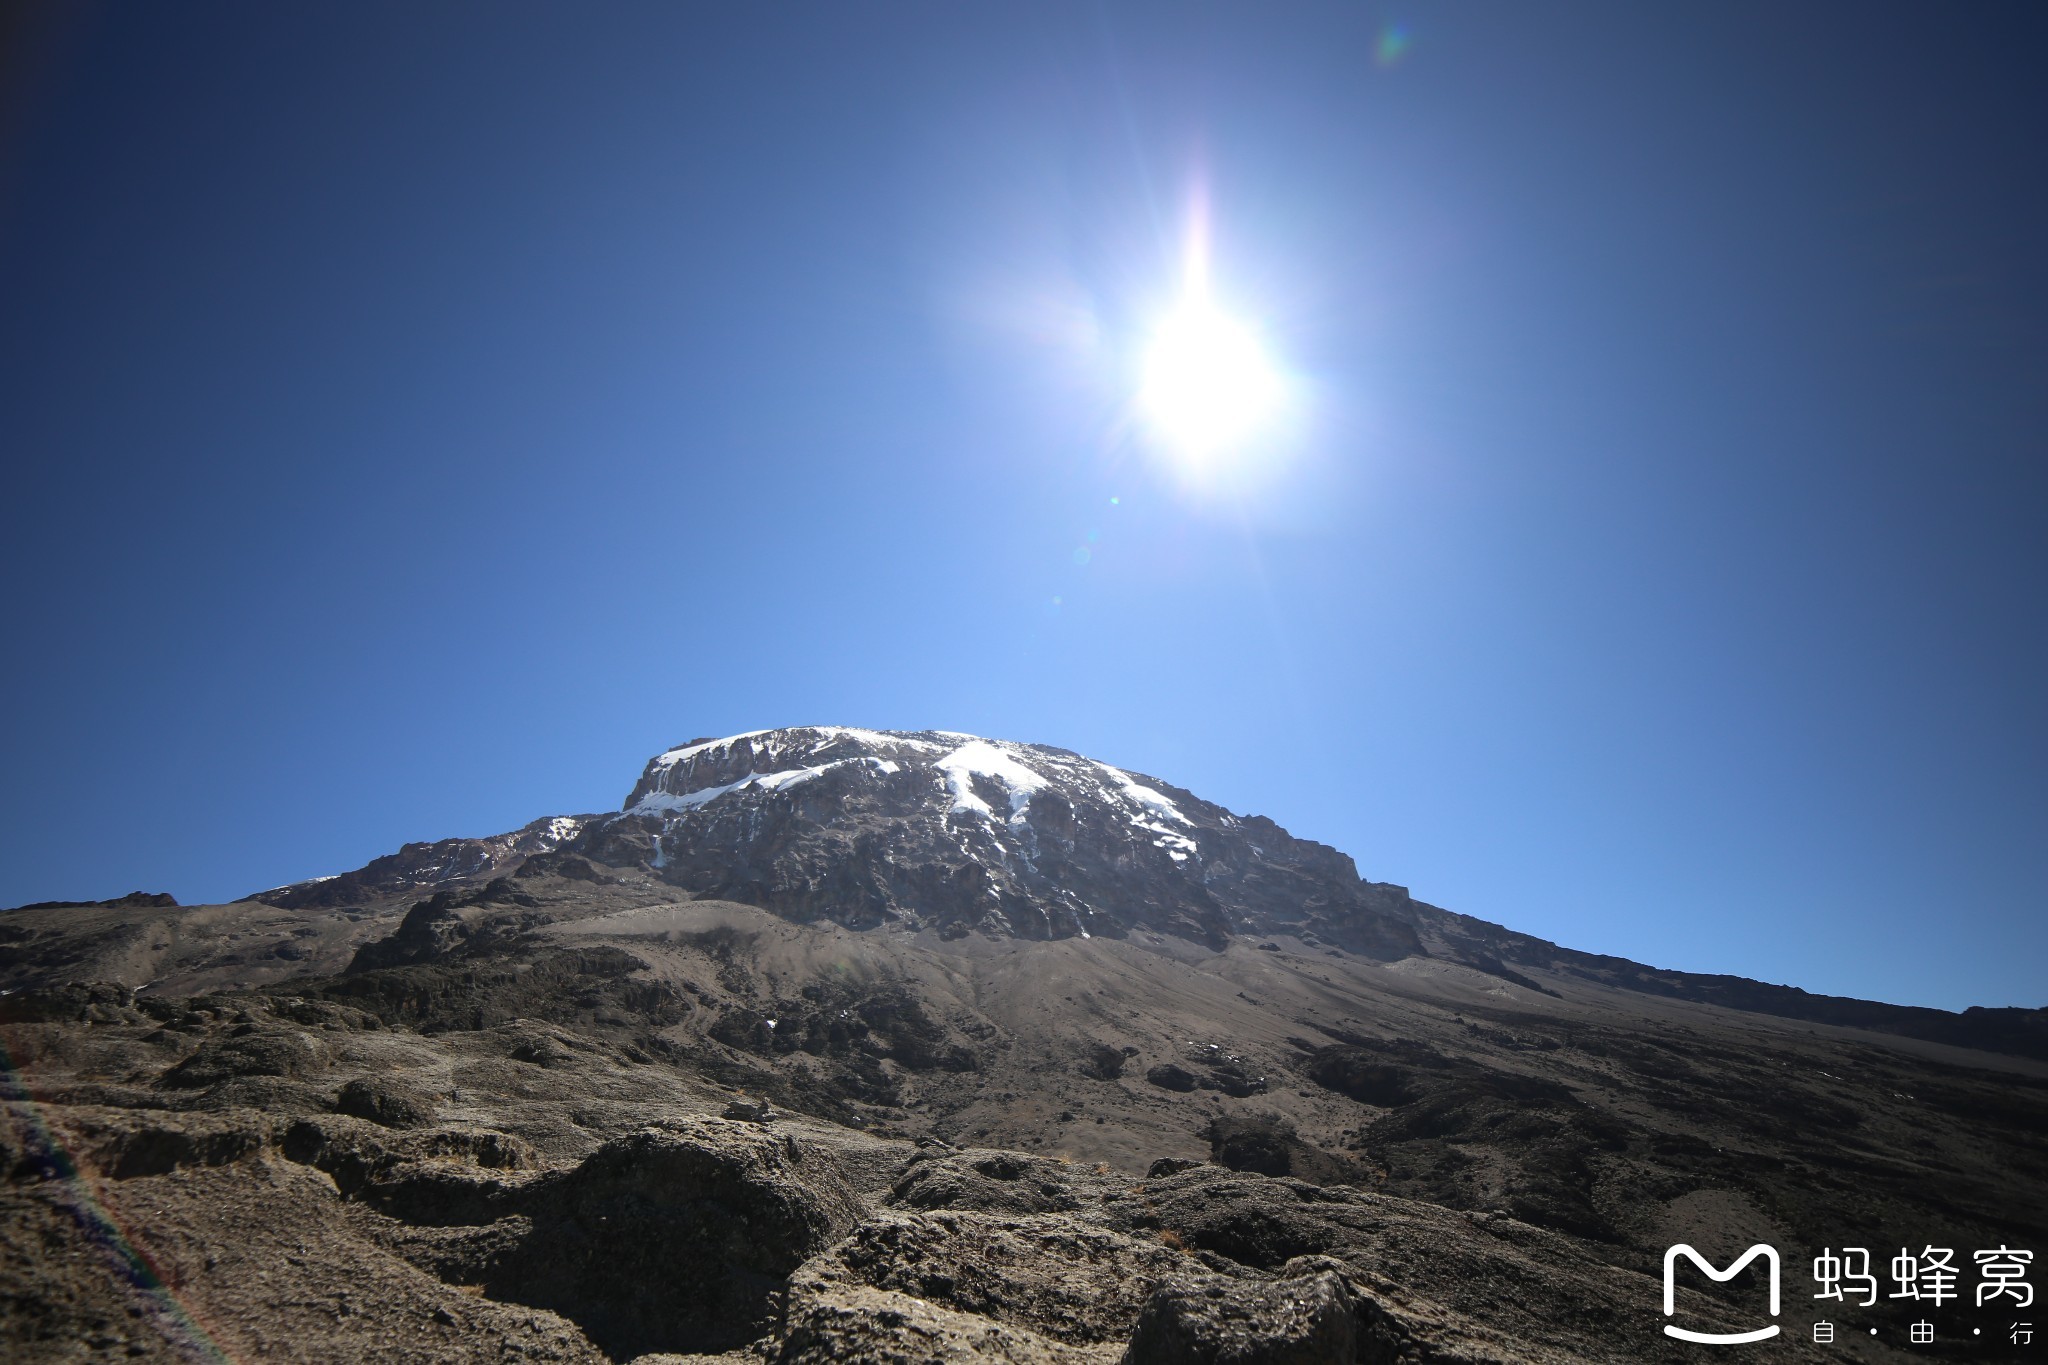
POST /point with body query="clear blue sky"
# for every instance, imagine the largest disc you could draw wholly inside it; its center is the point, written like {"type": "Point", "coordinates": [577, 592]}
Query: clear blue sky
{"type": "Point", "coordinates": [416, 416]}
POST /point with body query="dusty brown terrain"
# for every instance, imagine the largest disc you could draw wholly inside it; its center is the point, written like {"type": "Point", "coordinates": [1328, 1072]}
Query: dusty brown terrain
{"type": "Point", "coordinates": [349, 1167]}
{"type": "Point", "coordinates": [562, 1108]}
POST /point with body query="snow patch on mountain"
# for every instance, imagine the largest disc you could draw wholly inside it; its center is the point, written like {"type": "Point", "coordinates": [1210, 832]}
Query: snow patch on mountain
{"type": "Point", "coordinates": [657, 802]}
{"type": "Point", "coordinates": [992, 780]}
{"type": "Point", "coordinates": [979, 758]}
{"type": "Point", "coordinates": [683, 753]}
{"type": "Point", "coordinates": [797, 742]}
{"type": "Point", "coordinates": [1140, 795]}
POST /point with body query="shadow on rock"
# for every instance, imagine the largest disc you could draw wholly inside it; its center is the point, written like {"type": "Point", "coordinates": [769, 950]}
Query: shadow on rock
{"type": "Point", "coordinates": [1314, 1319]}
{"type": "Point", "coordinates": [679, 1237]}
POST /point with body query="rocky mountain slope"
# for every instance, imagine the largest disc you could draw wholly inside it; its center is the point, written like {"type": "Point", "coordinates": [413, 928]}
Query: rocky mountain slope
{"type": "Point", "coordinates": [865, 827]}
{"type": "Point", "coordinates": [838, 1044]}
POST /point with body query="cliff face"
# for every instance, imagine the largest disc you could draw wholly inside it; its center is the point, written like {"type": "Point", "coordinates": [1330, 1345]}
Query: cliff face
{"type": "Point", "coordinates": [426, 866]}
{"type": "Point", "coordinates": [867, 827]}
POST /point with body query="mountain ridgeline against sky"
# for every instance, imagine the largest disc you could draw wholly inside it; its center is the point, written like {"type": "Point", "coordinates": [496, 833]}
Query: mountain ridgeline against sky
{"type": "Point", "coordinates": [965, 834]}
{"type": "Point", "coordinates": [954, 834]}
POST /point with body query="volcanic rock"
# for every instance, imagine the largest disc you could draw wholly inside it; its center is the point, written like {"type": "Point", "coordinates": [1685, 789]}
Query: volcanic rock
{"type": "Point", "coordinates": [1311, 1320]}
{"type": "Point", "coordinates": [1061, 1062]}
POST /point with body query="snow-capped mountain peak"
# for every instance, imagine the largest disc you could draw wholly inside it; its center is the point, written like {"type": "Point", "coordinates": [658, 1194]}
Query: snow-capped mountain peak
{"type": "Point", "coordinates": [960, 832]}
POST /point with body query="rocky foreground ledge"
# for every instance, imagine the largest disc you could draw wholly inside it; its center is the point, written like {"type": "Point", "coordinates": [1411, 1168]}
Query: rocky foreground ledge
{"type": "Point", "coordinates": [242, 1176]}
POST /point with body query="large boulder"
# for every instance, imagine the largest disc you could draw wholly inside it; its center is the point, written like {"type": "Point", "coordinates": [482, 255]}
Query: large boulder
{"type": "Point", "coordinates": [1056, 1275]}
{"type": "Point", "coordinates": [679, 1237]}
{"type": "Point", "coordinates": [841, 1324]}
{"type": "Point", "coordinates": [98, 1002]}
{"type": "Point", "coordinates": [1314, 1319]}
{"type": "Point", "coordinates": [990, 1181]}
{"type": "Point", "coordinates": [1250, 1219]}
{"type": "Point", "coordinates": [386, 1101]}
{"type": "Point", "coordinates": [252, 1052]}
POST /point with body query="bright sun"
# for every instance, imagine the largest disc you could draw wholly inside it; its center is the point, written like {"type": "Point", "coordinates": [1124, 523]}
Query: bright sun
{"type": "Point", "coordinates": [1208, 386]}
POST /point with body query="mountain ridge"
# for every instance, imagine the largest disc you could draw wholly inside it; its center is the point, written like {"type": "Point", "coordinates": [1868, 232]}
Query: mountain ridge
{"type": "Point", "coordinates": [550, 1087]}
{"type": "Point", "coordinates": [751, 818]}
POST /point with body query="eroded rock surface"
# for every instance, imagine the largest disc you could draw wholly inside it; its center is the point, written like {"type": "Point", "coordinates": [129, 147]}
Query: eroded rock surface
{"type": "Point", "coordinates": [1311, 1319]}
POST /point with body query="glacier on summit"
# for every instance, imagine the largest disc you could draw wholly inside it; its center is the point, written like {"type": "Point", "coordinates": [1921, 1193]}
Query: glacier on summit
{"type": "Point", "coordinates": [957, 833]}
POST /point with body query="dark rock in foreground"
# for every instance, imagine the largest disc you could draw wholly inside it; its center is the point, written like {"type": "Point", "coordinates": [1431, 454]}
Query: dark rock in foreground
{"type": "Point", "coordinates": [1309, 1319]}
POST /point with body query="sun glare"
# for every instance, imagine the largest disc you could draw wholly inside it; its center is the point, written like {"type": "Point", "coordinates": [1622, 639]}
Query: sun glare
{"type": "Point", "coordinates": [1208, 384]}
{"type": "Point", "coordinates": [1208, 388]}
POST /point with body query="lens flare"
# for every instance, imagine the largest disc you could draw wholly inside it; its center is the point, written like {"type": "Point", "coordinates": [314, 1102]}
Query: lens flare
{"type": "Point", "coordinates": [1392, 45]}
{"type": "Point", "coordinates": [152, 1300]}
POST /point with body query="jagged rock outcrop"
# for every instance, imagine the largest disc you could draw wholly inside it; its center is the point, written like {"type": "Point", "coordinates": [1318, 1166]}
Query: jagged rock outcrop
{"type": "Point", "coordinates": [1309, 1319]}
{"type": "Point", "coordinates": [677, 1237]}
{"type": "Point", "coordinates": [389, 1103]}
{"type": "Point", "coordinates": [424, 866]}
{"type": "Point", "coordinates": [1058, 1276]}
{"type": "Point", "coordinates": [865, 827]}
{"type": "Point", "coordinates": [159, 900]}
